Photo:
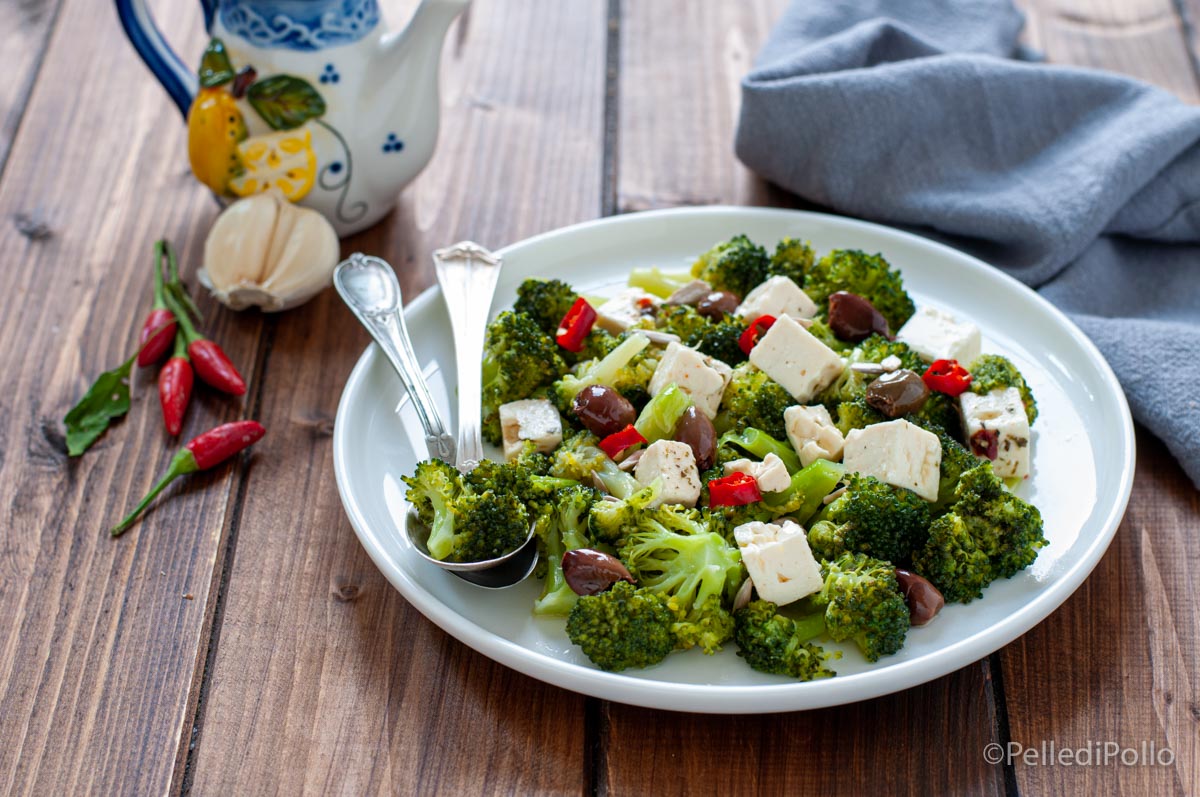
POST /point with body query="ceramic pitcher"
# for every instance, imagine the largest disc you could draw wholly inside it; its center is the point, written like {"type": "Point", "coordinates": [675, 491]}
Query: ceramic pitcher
{"type": "Point", "coordinates": [311, 97]}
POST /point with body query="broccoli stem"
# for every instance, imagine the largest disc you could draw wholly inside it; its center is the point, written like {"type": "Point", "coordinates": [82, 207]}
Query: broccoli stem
{"type": "Point", "coordinates": [759, 443]}
{"type": "Point", "coordinates": [658, 282]}
{"type": "Point", "coordinates": [810, 626]}
{"type": "Point", "coordinates": [813, 483]}
{"type": "Point", "coordinates": [616, 481]}
{"type": "Point", "coordinates": [659, 416]}
{"type": "Point", "coordinates": [606, 370]}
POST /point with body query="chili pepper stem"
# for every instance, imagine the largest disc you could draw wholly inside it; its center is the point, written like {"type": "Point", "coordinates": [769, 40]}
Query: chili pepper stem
{"type": "Point", "coordinates": [160, 302]}
{"type": "Point", "coordinates": [182, 463]}
{"type": "Point", "coordinates": [181, 314]}
{"type": "Point", "coordinates": [175, 285]}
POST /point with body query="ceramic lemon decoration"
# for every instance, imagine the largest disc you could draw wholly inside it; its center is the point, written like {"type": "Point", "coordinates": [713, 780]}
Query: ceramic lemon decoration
{"type": "Point", "coordinates": [312, 99]}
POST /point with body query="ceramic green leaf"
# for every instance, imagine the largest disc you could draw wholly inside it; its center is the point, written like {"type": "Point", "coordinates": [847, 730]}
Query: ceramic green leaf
{"type": "Point", "coordinates": [285, 102]}
{"type": "Point", "coordinates": [215, 67]}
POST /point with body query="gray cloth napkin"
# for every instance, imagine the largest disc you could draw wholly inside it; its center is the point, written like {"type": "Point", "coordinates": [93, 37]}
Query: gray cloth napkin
{"type": "Point", "coordinates": [1082, 184]}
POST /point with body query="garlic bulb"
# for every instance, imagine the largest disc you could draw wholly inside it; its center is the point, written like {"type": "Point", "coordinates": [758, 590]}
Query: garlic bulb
{"type": "Point", "coordinates": [264, 251]}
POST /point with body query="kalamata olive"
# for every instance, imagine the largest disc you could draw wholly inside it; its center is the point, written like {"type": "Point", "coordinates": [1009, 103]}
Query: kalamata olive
{"type": "Point", "coordinates": [589, 572]}
{"type": "Point", "coordinates": [695, 429]}
{"type": "Point", "coordinates": [603, 410]}
{"type": "Point", "coordinates": [852, 318]}
{"type": "Point", "coordinates": [716, 304]}
{"type": "Point", "coordinates": [898, 393]}
{"type": "Point", "coordinates": [691, 293]}
{"type": "Point", "coordinates": [924, 600]}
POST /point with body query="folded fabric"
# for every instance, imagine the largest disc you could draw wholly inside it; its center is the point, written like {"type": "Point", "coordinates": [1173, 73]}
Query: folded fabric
{"type": "Point", "coordinates": [1083, 184]}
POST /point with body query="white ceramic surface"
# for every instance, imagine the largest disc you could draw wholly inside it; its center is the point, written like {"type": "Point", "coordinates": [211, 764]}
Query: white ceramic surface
{"type": "Point", "coordinates": [1083, 462]}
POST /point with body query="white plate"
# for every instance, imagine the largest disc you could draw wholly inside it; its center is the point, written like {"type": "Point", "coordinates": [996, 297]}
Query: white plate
{"type": "Point", "coordinates": [1083, 460]}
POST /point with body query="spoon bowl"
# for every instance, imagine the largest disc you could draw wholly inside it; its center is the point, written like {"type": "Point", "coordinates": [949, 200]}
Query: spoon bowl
{"type": "Point", "coordinates": [498, 573]}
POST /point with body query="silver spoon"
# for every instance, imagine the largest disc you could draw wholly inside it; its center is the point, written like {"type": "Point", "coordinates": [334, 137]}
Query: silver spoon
{"type": "Point", "coordinates": [370, 289]}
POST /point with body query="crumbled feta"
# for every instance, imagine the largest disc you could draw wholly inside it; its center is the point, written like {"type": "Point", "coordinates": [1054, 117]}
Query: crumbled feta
{"type": "Point", "coordinates": [812, 433]}
{"type": "Point", "coordinates": [997, 428]}
{"type": "Point", "coordinates": [936, 335]}
{"type": "Point", "coordinates": [777, 296]}
{"type": "Point", "coordinates": [675, 464]}
{"type": "Point", "coordinates": [790, 355]}
{"type": "Point", "coordinates": [701, 377]}
{"type": "Point", "coordinates": [779, 561]}
{"type": "Point", "coordinates": [529, 419]}
{"type": "Point", "coordinates": [625, 309]}
{"type": "Point", "coordinates": [771, 474]}
{"type": "Point", "coordinates": [897, 452]}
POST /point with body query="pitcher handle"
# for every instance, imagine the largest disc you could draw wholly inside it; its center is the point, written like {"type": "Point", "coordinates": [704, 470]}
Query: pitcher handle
{"type": "Point", "coordinates": [175, 77]}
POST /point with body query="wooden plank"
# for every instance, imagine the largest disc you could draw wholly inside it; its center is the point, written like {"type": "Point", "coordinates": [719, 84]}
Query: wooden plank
{"type": "Point", "coordinates": [676, 148]}
{"type": "Point", "coordinates": [1117, 662]}
{"type": "Point", "coordinates": [324, 678]}
{"type": "Point", "coordinates": [1146, 39]}
{"type": "Point", "coordinates": [24, 30]}
{"type": "Point", "coordinates": [100, 637]}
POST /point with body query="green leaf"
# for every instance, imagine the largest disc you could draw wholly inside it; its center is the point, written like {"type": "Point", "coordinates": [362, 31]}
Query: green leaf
{"type": "Point", "coordinates": [285, 102]}
{"type": "Point", "coordinates": [215, 67]}
{"type": "Point", "coordinates": [106, 400]}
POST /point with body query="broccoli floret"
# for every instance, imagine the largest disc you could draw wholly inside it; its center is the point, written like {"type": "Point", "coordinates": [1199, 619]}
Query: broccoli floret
{"type": "Point", "coordinates": [598, 343]}
{"type": "Point", "coordinates": [546, 301]}
{"type": "Point", "coordinates": [871, 517]}
{"type": "Point", "coordinates": [580, 458]}
{"type": "Point", "coordinates": [939, 411]}
{"type": "Point", "coordinates": [681, 320]}
{"type": "Point", "coordinates": [657, 281]}
{"type": "Point", "coordinates": [622, 627]}
{"type": "Point", "coordinates": [956, 460]}
{"type": "Point", "coordinates": [675, 553]}
{"type": "Point", "coordinates": [819, 329]}
{"type": "Point", "coordinates": [988, 533]}
{"type": "Point", "coordinates": [773, 643]}
{"type": "Point", "coordinates": [518, 358]}
{"type": "Point", "coordinates": [736, 265]}
{"type": "Point", "coordinates": [863, 602]}
{"type": "Point", "coordinates": [720, 340]}
{"type": "Point", "coordinates": [754, 400]}
{"type": "Point", "coordinates": [628, 367]}
{"type": "Point", "coordinates": [609, 520]}
{"type": "Point", "coordinates": [857, 414]}
{"type": "Point", "coordinates": [563, 527]}
{"type": "Point", "coordinates": [792, 259]}
{"type": "Point", "coordinates": [991, 372]}
{"type": "Point", "coordinates": [466, 523]}
{"type": "Point", "coordinates": [869, 276]}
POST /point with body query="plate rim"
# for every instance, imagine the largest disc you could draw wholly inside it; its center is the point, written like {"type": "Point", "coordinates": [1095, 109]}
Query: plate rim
{"type": "Point", "coordinates": [755, 698]}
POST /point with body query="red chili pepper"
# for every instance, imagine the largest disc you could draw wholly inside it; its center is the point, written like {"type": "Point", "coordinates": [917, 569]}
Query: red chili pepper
{"type": "Point", "coordinates": [159, 330]}
{"type": "Point", "coordinates": [617, 442]}
{"type": "Point", "coordinates": [210, 361]}
{"type": "Point", "coordinates": [203, 452]}
{"type": "Point", "coordinates": [735, 489]}
{"type": "Point", "coordinates": [175, 388]}
{"type": "Point", "coordinates": [576, 325]}
{"type": "Point", "coordinates": [758, 327]}
{"type": "Point", "coordinates": [947, 376]}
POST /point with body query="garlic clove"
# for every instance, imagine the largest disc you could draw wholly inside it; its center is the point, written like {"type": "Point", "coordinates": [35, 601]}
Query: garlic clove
{"type": "Point", "coordinates": [265, 252]}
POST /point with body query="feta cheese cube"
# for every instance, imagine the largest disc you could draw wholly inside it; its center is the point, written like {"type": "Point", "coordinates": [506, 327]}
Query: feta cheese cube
{"type": "Point", "coordinates": [812, 433]}
{"type": "Point", "coordinates": [771, 474]}
{"type": "Point", "coordinates": [777, 296]}
{"type": "Point", "coordinates": [529, 419]}
{"type": "Point", "coordinates": [997, 428]}
{"type": "Point", "coordinates": [940, 336]}
{"type": "Point", "coordinates": [675, 464]}
{"type": "Point", "coordinates": [779, 561]}
{"type": "Point", "coordinates": [625, 309]}
{"type": "Point", "coordinates": [790, 355]}
{"type": "Point", "coordinates": [701, 377]}
{"type": "Point", "coordinates": [899, 453]}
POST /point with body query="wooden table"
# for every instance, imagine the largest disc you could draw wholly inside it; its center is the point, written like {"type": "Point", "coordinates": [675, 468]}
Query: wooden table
{"type": "Point", "coordinates": [239, 641]}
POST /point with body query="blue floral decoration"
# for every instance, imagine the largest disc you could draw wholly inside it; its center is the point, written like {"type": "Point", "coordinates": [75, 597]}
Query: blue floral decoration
{"type": "Point", "coordinates": [299, 24]}
{"type": "Point", "coordinates": [329, 75]}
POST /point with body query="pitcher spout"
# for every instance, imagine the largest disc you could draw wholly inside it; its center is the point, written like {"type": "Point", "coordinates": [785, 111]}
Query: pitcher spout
{"type": "Point", "coordinates": [419, 44]}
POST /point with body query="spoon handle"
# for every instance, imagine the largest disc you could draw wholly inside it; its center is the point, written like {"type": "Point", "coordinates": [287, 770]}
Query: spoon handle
{"type": "Point", "coordinates": [467, 274]}
{"type": "Point", "coordinates": [388, 329]}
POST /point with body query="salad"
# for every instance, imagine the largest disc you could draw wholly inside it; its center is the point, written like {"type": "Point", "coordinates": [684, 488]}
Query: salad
{"type": "Point", "coordinates": [770, 451]}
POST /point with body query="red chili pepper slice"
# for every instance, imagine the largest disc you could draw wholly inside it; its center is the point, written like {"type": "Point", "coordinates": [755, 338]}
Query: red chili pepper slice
{"type": "Point", "coordinates": [576, 325]}
{"type": "Point", "coordinates": [735, 489]}
{"type": "Point", "coordinates": [947, 376]}
{"type": "Point", "coordinates": [617, 442]}
{"type": "Point", "coordinates": [758, 327]}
